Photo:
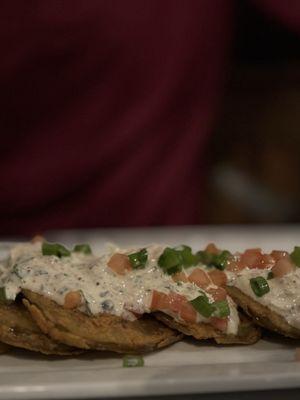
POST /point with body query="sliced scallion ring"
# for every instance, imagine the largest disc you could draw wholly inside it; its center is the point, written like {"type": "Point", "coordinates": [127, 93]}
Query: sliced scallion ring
{"type": "Point", "coordinates": [170, 260]}
{"type": "Point", "coordinates": [259, 286]}
{"type": "Point", "coordinates": [138, 259]}
{"type": "Point", "coordinates": [222, 309]}
{"type": "Point", "coordinates": [130, 361]}
{"type": "Point", "coordinates": [203, 306]}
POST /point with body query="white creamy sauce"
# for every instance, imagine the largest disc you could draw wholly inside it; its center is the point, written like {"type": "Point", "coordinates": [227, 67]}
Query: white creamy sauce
{"type": "Point", "coordinates": [284, 294]}
{"type": "Point", "coordinates": [102, 289]}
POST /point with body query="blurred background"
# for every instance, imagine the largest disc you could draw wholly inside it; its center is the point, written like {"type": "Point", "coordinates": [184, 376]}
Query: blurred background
{"type": "Point", "coordinates": [255, 173]}
{"type": "Point", "coordinates": [153, 113]}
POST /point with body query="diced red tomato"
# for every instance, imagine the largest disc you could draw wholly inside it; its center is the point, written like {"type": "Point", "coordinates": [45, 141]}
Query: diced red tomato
{"type": "Point", "coordinates": [218, 278]}
{"type": "Point", "coordinates": [251, 258]}
{"type": "Point", "coordinates": [179, 277]}
{"type": "Point", "coordinates": [267, 261]}
{"type": "Point", "coordinates": [176, 301]}
{"type": "Point", "coordinates": [173, 302]}
{"type": "Point", "coordinates": [234, 265]}
{"type": "Point", "coordinates": [278, 254]}
{"type": "Point", "coordinates": [282, 267]}
{"type": "Point", "coordinates": [188, 313]}
{"type": "Point", "coordinates": [212, 249]}
{"type": "Point", "coordinates": [218, 294]}
{"type": "Point", "coordinates": [119, 263]}
{"type": "Point", "coordinates": [219, 323]}
{"type": "Point", "coordinates": [160, 301]}
{"type": "Point", "coordinates": [200, 278]}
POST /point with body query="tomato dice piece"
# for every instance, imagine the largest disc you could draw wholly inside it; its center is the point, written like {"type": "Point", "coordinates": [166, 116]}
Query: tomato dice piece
{"type": "Point", "coordinates": [282, 267]}
{"type": "Point", "coordinates": [160, 301]}
{"type": "Point", "coordinates": [119, 263]}
{"type": "Point", "coordinates": [218, 294]}
{"type": "Point", "coordinates": [234, 266]}
{"type": "Point", "coordinates": [251, 258]}
{"type": "Point", "coordinates": [278, 254]}
{"type": "Point", "coordinates": [188, 313]}
{"type": "Point", "coordinates": [219, 323]}
{"type": "Point", "coordinates": [200, 278]}
{"type": "Point", "coordinates": [212, 249]}
{"type": "Point", "coordinates": [218, 278]}
{"type": "Point", "coordinates": [173, 302]}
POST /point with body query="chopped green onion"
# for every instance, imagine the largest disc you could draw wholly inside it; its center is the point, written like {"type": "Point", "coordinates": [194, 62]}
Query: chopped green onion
{"type": "Point", "coordinates": [259, 286]}
{"type": "Point", "coordinates": [202, 306]}
{"type": "Point", "coordinates": [270, 275]}
{"type": "Point", "coordinates": [188, 258]}
{"type": "Point", "coordinates": [133, 361]}
{"type": "Point", "coordinates": [139, 259]}
{"type": "Point", "coordinates": [82, 248]}
{"type": "Point", "coordinates": [214, 260]}
{"type": "Point", "coordinates": [222, 309]}
{"type": "Point", "coordinates": [219, 260]}
{"type": "Point", "coordinates": [3, 297]}
{"type": "Point", "coordinates": [204, 257]}
{"type": "Point", "coordinates": [295, 256]}
{"type": "Point", "coordinates": [170, 260]}
{"type": "Point", "coordinates": [54, 249]}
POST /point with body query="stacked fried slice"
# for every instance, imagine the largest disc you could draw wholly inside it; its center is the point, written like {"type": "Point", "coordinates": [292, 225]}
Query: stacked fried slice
{"type": "Point", "coordinates": [248, 333]}
{"type": "Point", "coordinates": [100, 332]}
{"type": "Point", "coordinates": [263, 315]}
{"type": "Point", "coordinates": [18, 329]}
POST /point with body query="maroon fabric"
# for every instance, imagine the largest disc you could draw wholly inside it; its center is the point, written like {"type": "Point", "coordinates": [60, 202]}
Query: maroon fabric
{"type": "Point", "coordinates": [106, 107]}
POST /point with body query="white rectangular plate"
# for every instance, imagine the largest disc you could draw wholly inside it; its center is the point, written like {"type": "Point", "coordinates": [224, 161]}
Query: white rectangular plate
{"type": "Point", "coordinates": [186, 367]}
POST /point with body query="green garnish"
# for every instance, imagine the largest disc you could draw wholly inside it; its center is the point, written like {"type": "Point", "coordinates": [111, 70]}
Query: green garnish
{"type": "Point", "coordinates": [139, 259]}
{"type": "Point", "coordinates": [133, 361]}
{"type": "Point", "coordinates": [295, 256]}
{"type": "Point", "coordinates": [55, 249]}
{"type": "Point", "coordinates": [219, 260]}
{"type": "Point", "coordinates": [259, 286]}
{"type": "Point", "coordinates": [170, 261]}
{"type": "Point", "coordinates": [3, 297]}
{"type": "Point", "coordinates": [218, 309]}
{"type": "Point", "coordinates": [270, 275]}
{"type": "Point", "coordinates": [83, 248]}
{"type": "Point", "coordinates": [188, 258]}
{"type": "Point", "coordinates": [222, 309]}
{"type": "Point", "coordinates": [214, 260]}
{"type": "Point", "coordinates": [202, 306]}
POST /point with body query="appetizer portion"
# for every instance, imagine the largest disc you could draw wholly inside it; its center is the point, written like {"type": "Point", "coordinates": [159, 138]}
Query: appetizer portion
{"type": "Point", "coordinates": [92, 302]}
{"type": "Point", "coordinates": [265, 286]}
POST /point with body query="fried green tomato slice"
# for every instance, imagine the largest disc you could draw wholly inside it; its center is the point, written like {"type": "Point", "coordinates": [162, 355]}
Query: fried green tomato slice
{"type": "Point", "coordinates": [18, 329]}
{"type": "Point", "coordinates": [99, 332]}
{"type": "Point", "coordinates": [248, 333]}
{"type": "Point", "coordinates": [262, 315]}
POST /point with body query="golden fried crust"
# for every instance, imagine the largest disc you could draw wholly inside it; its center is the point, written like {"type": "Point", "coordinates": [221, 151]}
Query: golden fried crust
{"type": "Point", "coordinates": [4, 348]}
{"type": "Point", "coordinates": [19, 330]}
{"type": "Point", "coordinates": [262, 315]}
{"type": "Point", "coordinates": [99, 332]}
{"type": "Point", "coordinates": [247, 333]}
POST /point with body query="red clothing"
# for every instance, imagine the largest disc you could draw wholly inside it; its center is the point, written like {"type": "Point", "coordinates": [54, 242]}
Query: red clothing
{"type": "Point", "coordinates": [106, 107]}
